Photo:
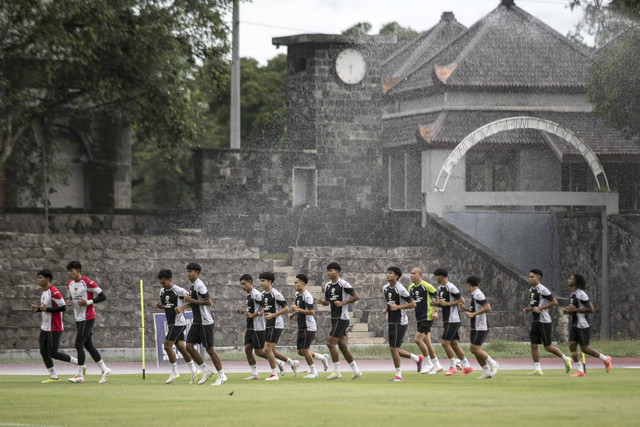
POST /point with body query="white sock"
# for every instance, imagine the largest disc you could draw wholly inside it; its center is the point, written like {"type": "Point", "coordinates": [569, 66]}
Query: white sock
{"type": "Point", "coordinates": [415, 358]}
{"type": "Point", "coordinates": [290, 362]}
{"type": "Point", "coordinates": [254, 369]}
{"type": "Point", "coordinates": [602, 357]}
{"type": "Point", "coordinates": [81, 370]}
{"type": "Point", "coordinates": [354, 367]}
{"type": "Point", "coordinates": [399, 372]}
{"type": "Point", "coordinates": [280, 363]}
{"type": "Point", "coordinates": [318, 356]}
{"type": "Point", "coordinates": [452, 362]}
{"type": "Point", "coordinates": [485, 368]}
{"type": "Point", "coordinates": [490, 360]}
{"type": "Point", "coordinates": [336, 367]}
{"type": "Point", "coordinates": [436, 362]}
{"type": "Point", "coordinates": [565, 358]}
{"type": "Point", "coordinates": [74, 360]}
{"type": "Point", "coordinates": [465, 363]}
{"type": "Point", "coordinates": [274, 372]}
{"type": "Point", "coordinates": [580, 368]}
{"type": "Point", "coordinates": [204, 367]}
{"type": "Point", "coordinates": [537, 366]}
{"type": "Point", "coordinates": [174, 368]}
{"type": "Point", "coordinates": [192, 367]}
{"type": "Point", "coordinates": [101, 364]}
{"type": "Point", "coordinates": [312, 369]}
{"type": "Point", "coordinates": [52, 372]}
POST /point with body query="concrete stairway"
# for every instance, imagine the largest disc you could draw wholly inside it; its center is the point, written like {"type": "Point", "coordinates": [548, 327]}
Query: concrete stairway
{"type": "Point", "coordinates": [358, 331]}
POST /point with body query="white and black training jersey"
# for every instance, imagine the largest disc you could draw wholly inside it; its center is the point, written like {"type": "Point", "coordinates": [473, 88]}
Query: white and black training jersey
{"type": "Point", "coordinates": [339, 291]}
{"type": "Point", "coordinates": [478, 300]}
{"type": "Point", "coordinates": [395, 294]}
{"type": "Point", "coordinates": [579, 299]}
{"type": "Point", "coordinates": [449, 293]}
{"type": "Point", "coordinates": [539, 296]}
{"type": "Point", "coordinates": [170, 299]}
{"type": "Point", "coordinates": [201, 313]}
{"type": "Point", "coordinates": [254, 300]}
{"type": "Point", "coordinates": [305, 322]}
{"type": "Point", "coordinates": [273, 302]}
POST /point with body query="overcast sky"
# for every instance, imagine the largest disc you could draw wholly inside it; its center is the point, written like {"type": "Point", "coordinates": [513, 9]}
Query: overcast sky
{"type": "Point", "coordinates": [261, 20]}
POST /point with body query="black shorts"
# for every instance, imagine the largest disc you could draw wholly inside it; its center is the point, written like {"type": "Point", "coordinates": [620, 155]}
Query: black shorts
{"type": "Point", "coordinates": [255, 339]}
{"type": "Point", "coordinates": [338, 328]}
{"type": "Point", "coordinates": [396, 334]}
{"type": "Point", "coordinates": [305, 338]}
{"type": "Point", "coordinates": [540, 333]}
{"type": "Point", "coordinates": [84, 330]}
{"type": "Point", "coordinates": [273, 335]}
{"type": "Point", "coordinates": [478, 337]}
{"type": "Point", "coordinates": [424, 326]}
{"type": "Point", "coordinates": [450, 332]}
{"type": "Point", "coordinates": [201, 334]}
{"type": "Point", "coordinates": [581, 336]}
{"type": "Point", "coordinates": [175, 333]}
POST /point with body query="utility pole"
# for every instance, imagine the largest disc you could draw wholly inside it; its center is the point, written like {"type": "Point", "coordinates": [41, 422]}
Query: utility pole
{"type": "Point", "coordinates": [235, 78]}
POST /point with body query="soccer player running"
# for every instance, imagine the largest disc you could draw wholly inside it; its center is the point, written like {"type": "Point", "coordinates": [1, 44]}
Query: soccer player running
{"type": "Point", "coordinates": [201, 331]}
{"type": "Point", "coordinates": [303, 308]}
{"type": "Point", "coordinates": [540, 301]}
{"type": "Point", "coordinates": [448, 297]}
{"type": "Point", "coordinates": [51, 306]}
{"type": "Point", "coordinates": [479, 327]}
{"type": "Point", "coordinates": [339, 294]}
{"type": "Point", "coordinates": [84, 294]}
{"type": "Point", "coordinates": [394, 294]}
{"type": "Point", "coordinates": [578, 309]}
{"type": "Point", "coordinates": [172, 302]}
{"type": "Point", "coordinates": [254, 336]}
{"type": "Point", "coordinates": [424, 294]}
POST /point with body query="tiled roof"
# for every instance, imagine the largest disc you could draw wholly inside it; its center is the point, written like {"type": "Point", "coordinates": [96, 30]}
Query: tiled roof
{"type": "Point", "coordinates": [506, 48]}
{"type": "Point", "coordinates": [449, 128]}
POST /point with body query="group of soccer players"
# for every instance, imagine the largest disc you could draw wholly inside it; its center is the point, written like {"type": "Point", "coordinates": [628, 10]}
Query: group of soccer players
{"type": "Point", "coordinates": [264, 313]}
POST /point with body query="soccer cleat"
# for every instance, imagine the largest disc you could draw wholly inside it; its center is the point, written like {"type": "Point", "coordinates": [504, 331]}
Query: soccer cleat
{"type": "Point", "coordinates": [294, 368]}
{"type": "Point", "coordinates": [84, 370]}
{"type": "Point", "coordinates": [419, 363]}
{"type": "Point", "coordinates": [450, 371]}
{"type": "Point", "coordinates": [205, 377]}
{"type": "Point", "coordinates": [467, 371]}
{"type": "Point", "coordinates": [494, 368]}
{"type": "Point", "coordinates": [311, 376]}
{"type": "Point", "coordinates": [535, 372]}
{"type": "Point", "coordinates": [253, 377]}
{"type": "Point", "coordinates": [458, 365]}
{"type": "Point", "coordinates": [567, 366]}
{"type": "Point", "coordinates": [578, 374]}
{"type": "Point", "coordinates": [396, 378]}
{"type": "Point", "coordinates": [272, 377]}
{"type": "Point", "coordinates": [51, 380]}
{"type": "Point", "coordinates": [103, 377]}
{"type": "Point", "coordinates": [426, 368]}
{"type": "Point", "coordinates": [334, 376]}
{"type": "Point", "coordinates": [356, 375]}
{"type": "Point", "coordinates": [607, 364]}
{"type": "Point", "coordinates": [76, 379]}
{"type": "Point", "coordinates": [171, 378]}
{"type": "Point", "coordinates": [435, 370]}
{"type": "Point", "coordinates": [194, 377]}
{"type": "Point", "coordinates": [220, 380]}
{"type": "Point", "coordinates": [485, 376]}
{"type": "Point", "coordinates": [325, 361]}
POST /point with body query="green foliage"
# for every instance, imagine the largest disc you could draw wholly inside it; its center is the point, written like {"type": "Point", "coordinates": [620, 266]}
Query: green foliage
{"type": "Point", "coordinates": [403, 34]}
{"type": "Point", "coordinates": [360, 28]}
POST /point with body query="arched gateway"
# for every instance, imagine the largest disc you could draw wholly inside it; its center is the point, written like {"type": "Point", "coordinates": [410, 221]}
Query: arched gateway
{"type": "Point", "coordinates": [512, 123]}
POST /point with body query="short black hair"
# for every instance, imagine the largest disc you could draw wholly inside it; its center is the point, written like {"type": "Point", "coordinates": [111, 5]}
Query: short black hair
{"type": "Point", "coordinates": [165, 274]}
{"type": "Point", "coordinates": [194, 266]}
{"type": "Point", "coordinates": [303, 277]}
{"type": "Point", "coordinates": [441, 272]}
{"type": "Point", "coordinates": [46, 273]}
{"type": "Point", "coordinates": [395, 271]}
{"type": "Point", "coordinates": [246, 277]}
{"type": "Point", "coordinates": [579, 280]}
{"type": "Point", "coordinates": [74, 264]}
{"type": "Point", "coordinates": [267, 275]}
{"type": "Point", "coordinates": [536, 271]}
{"type": "Point", "coordinates": [473, 281]}
{"type": "Point", "coordinates": [334, 266]}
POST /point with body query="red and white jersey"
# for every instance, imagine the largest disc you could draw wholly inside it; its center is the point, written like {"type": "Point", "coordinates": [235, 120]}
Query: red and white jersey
{"type": "Point", "coordinates": [51, 321]}
{"type": "Point", "coordinates": [83, 289]}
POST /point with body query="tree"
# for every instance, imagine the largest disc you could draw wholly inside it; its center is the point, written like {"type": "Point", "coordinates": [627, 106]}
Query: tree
{"type": "Point", "coordinates": [139, 58]}
{"type": "Point", "coordinates": [404, 34]}
{"type": "Point", "coordinates": [360, 28]}
{"type": "Point", "coordinates": [613, 82]}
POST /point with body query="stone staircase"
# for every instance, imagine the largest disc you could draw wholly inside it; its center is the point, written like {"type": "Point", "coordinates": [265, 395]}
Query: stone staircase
{"type": "Point", "coordinates": [358, 330]}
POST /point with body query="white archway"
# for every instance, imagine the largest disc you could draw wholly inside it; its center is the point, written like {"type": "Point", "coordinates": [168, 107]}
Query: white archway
{"type": "Point", "coordinates": [512, 123]}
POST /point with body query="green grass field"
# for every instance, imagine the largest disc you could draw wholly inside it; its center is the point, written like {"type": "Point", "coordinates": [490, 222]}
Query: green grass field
{"type": "Point", "coordinates": [511, 398]}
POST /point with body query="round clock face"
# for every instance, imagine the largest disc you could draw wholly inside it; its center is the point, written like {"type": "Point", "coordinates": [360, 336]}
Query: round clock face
{"type": "Point", "coordinates": [351, 66]}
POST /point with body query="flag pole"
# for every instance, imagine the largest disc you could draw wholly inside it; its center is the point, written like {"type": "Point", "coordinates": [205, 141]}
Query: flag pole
{"type": "Point", "coordinates": [142, 322]}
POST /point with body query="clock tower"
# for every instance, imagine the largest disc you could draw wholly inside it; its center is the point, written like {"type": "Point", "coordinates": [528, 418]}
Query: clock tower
{"type": "Point", "coordinates": [334, 111]}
